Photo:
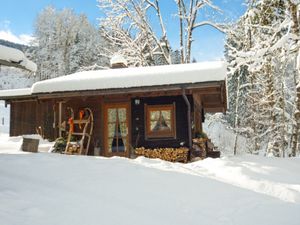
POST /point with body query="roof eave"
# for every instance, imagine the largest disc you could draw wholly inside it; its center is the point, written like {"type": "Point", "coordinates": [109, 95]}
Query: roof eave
{"type": "Point", "coordinates": [115, 91]}
{"type": "Point", "coordinates": [131, 90]}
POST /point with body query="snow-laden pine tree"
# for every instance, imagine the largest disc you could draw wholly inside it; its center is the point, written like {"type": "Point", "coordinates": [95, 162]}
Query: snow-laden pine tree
{"type": "Point", "coordinates": [131, 26]}
{"type": "Point", "coordinates": [262, 68]}
{"type": "Point", "coordinates": [66, 42]}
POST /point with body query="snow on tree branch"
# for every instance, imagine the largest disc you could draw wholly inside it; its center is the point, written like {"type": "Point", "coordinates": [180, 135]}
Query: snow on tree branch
{"type": "Point", "coordinates": [261, 50]}
{"type": "Point", "coordinates": [209, 23]}
{"type": "Point", "coordinates": [129, 26]}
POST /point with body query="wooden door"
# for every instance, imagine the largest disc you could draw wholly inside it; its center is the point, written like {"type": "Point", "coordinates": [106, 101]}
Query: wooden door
{"type": "Point", "coordinates": [116, 129]}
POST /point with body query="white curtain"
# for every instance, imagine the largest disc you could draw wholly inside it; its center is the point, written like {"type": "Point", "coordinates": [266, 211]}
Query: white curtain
{"type": "Point", "coordinates": [123, 125]}
{"type": "Point", "coordinates": [112, 115]}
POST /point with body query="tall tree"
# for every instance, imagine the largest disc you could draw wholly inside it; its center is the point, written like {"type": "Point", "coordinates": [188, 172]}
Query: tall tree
{"type": "Point", "coordinates": [65, 42]}
{"type": "Point", "coordinates": [130, 25]}
{"type": "Point", "coordinates": [263, 72]}
{"type": "Point", "coordinates": [293, 11]}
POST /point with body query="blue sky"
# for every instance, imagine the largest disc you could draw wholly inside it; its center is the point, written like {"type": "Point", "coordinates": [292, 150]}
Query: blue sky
{"type": "Point", "coordinates": [17, 20]}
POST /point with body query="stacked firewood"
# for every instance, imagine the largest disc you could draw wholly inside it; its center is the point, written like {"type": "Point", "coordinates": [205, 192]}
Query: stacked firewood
{"type": "Point", "coordinates": [199, 147]}
{"type": "Point", "coordinates": [73, 148]}
{"type": "Point", "coordinates": [168, 154]}
{"type": "Point", "coordinates": [203, 147]}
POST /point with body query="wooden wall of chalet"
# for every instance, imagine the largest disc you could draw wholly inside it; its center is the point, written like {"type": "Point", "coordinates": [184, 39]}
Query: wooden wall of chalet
{"type": "Point", "coordinates": [45, 118]}
{"type": "Point", "coordinates": [27, 116]}
{"type": "Point", "coordinates": [138, 122]}
{"type": "Point", "coordinates": [23, 118]}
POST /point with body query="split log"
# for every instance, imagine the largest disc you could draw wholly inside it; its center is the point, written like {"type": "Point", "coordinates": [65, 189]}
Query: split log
{"type": "Point", "coordinates": [168, 154]}
{"type": "Point", "coordinates": [203, 147]}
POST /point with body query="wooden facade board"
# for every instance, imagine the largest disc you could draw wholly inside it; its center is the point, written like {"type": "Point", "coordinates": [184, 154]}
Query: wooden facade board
{"type": "Point", "coordinates": [23, 118]}
{"type": "Point", "coordinates": [197, 113]}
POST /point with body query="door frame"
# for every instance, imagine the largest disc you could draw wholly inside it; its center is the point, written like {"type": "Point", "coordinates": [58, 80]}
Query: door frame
{"type": "Point", "coordinates": [106, 106]}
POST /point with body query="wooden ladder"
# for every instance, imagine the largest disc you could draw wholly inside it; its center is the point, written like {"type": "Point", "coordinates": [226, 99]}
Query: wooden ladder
{"type": "Point", "coordinates": [79, 147]}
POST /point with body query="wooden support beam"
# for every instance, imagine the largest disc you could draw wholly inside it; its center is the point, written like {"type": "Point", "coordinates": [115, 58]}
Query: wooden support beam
{"type": "Point", "coordinates": [60, 120]}
{"type": "Point", "coordinates": [214, 110]}
{"type": "Point", "coordinates": [24, 100]}
{"type": "Point", "coordinates": [197, 113]}
{"type": "Point", "coordinates": [188, 104]}
{"type": "Point", "coordinates": [212, 105]}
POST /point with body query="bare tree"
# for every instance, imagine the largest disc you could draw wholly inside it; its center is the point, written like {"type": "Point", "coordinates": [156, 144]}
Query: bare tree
{"type": "Point", "coordinates": [128, 26]}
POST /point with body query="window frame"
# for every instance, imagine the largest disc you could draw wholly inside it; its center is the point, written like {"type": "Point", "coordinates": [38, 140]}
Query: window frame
{"type": "Point", "coordinates": [160, 134]}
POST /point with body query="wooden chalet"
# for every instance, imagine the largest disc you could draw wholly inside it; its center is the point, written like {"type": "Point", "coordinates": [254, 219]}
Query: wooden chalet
{"type": "Point", "coordinates": [151, 107]}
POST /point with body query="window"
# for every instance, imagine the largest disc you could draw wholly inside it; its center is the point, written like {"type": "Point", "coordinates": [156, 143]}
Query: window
{"type": "Point", "coordinates": [160, 121]}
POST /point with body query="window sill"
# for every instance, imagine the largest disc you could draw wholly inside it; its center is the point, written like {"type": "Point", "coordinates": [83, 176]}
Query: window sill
{"type": "Point", "coordinates": [160, 138]}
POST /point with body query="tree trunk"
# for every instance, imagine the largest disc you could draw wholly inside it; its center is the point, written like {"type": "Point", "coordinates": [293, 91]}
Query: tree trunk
{"type": "Point", "coordinates": [179, 5]}
{"type": "Point", "coordinates": [295, 136]}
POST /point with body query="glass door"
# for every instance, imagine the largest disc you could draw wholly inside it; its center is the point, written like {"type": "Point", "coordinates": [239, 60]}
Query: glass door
{"type": "Point", "coordinates": [116, 129]}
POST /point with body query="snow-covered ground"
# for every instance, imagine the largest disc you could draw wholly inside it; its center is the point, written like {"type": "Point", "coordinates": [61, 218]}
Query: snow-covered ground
{"type": "Point", "coordinates": [12, 145]}
{"type": "Point", "coordinates": [48, 188]}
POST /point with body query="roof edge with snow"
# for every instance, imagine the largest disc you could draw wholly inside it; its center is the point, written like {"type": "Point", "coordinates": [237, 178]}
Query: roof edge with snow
{"type": "Point", "coordinates": [22, 92]}
{"type": "Point", "coordinates": [132, 78]}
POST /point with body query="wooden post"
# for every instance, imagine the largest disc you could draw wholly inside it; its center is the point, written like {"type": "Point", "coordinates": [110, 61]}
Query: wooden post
{"type": "Point", "coordinates": [59, 118]}
{"type": "Point", "coordinates": [189, 121]}
{"type": "Point", "coordinates": [197, 112]}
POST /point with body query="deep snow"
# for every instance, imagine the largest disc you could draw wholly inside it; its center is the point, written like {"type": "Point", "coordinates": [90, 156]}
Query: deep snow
{"type": "Point", "coordinates": [45, 188]}
{"type": "Point", "coordinates": [12, 145]}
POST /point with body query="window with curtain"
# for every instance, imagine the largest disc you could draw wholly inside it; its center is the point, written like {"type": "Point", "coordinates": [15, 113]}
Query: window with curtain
{"type": "Point", "coordinates": [117, 130]}
{"type": "Point", "coordinates": [160, 121]}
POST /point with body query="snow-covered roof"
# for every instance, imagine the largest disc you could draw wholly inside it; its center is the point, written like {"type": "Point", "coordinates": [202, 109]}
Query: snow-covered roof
{"type": "Point", "coordinates": [16, 56]}
{"type": "Point", "coordinates": [126, 78]}
{"type": "Point", "coordinates": [134, 77]}
{"type": "Point", "coordinates": [15, 92]}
